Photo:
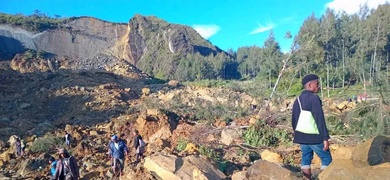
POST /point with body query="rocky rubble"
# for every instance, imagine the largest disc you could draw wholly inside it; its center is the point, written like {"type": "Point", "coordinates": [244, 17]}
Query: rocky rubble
{"type": "Point", "coordinates": [93, 105]}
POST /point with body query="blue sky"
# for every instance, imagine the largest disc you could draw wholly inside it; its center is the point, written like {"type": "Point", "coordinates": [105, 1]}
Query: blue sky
{"type": "Point", "coordinates": [225, 23]}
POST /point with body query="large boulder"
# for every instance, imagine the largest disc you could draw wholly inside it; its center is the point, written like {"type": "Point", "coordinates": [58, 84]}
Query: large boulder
{"type": "Point", "coordinates": [369, 160]}
{"type": "Point", "coordinates": [29, 167]}
{"type": "Point", "coordinates": [341, 152]}
{"type": "Point", "coordinates": [271, 156]}
{"type": "Point", "coordinates": [151, 121]}
{"type": "Point", "coordinates": [264, 170]}
{"type": "Point", "coordinates": [374, 151]}
{"type": "Point", "coordinates": [228, 135]}
{"type": "Point", "coordinates": [350, 170]}
{"type": "Point", "coordinates": [171, 167]}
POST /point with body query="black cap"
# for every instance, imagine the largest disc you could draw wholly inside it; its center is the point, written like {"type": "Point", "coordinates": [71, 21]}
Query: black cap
{"type": "Point", "coordinates": [51, 158]}
{"type": "Point", "coordinates": [308, 78]}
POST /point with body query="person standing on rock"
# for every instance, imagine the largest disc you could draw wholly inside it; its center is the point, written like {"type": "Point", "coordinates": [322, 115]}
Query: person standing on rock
{"type": "Point", "coordinates": [67, 138]}
{"type": "Point", "coordinates": [118, 151]}
{"type": "Point", "coordinates": [309, 125]}
{"type": "Point", "coordinates": [67, 168]}
{"type": "Point", "coordinates": [18, 146]}
{"type": "Point", "coordinates": [22, 147]}
{"type": "Point", "coordinates": [139, 146]}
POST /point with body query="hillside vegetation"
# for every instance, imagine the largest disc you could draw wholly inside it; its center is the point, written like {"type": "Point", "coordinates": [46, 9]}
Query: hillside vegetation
{"type": "Point", "coordinates": [36, 22]}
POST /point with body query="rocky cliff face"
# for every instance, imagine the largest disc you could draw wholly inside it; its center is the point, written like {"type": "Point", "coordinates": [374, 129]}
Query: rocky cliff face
{"type": "Point", "coordinates": [82, 38]}
{"type": "Point", "coordinates": [84, 41]}
{"type": "Point", "coordinates": [150, 35]}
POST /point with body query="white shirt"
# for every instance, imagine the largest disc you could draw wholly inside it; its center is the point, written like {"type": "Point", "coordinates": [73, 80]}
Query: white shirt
{"type": "Point", "coordinates": [116, 145]}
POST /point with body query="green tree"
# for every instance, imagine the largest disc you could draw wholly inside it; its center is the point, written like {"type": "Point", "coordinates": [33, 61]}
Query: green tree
{"type": "Point", "coordinates": [310, 52]}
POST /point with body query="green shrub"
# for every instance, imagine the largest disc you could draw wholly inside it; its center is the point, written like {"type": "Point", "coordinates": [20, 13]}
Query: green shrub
{"type": "Point", "coordinates": [181, 144]}
{"type": "Point", "coordinates": [209, 152]}
{"type": "Point", "coordinates": [263, 135]}
{"type": "Point", "coordinates": [46, 144]}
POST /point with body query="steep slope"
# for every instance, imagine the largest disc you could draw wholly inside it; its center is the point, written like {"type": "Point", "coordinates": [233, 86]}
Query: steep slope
{"type": "Point", "coordinates": [79, 38]}
{"type": "Point", "coordinates": [149, 43]}
{"type": "Point", "coordinates": [148, 35]}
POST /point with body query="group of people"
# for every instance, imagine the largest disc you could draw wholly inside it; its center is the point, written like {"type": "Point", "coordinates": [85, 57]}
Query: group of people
{"type": "Point", "coordinates": [66, 168]}
{"type": "Point", "coordinates": [20, 146]}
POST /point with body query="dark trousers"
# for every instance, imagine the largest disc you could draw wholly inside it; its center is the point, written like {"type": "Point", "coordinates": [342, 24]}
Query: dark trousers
{"type": "Point", "coordinates": [138, 157]}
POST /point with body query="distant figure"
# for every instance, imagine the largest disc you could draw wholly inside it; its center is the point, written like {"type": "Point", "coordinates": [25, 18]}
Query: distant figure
{"type": "Point", "coordinates": [139, 146]}
{"type": "Point", "coordinates": [117, 150]}
{"type": "Point", "coordinates": [309, 126]}
{"type": "Point", "coordinates": [364, 96]}
{"type": "Point", "coordinates": [354, 97]}
{"type": "Point", "coordinates": [53, 165]}
{"type": "Point", "coordinates": [67, 168]}
{"type": "Point", "coordinates": [67, 139]}
{"type": "Point", "coordinates": [23, 146]}
{"type": "Point", "coordinates": [18, 146]}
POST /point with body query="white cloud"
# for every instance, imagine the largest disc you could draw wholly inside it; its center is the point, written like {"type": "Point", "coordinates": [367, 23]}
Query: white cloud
{"type": "Point", "coordinates": [206, 31]}
{"type": "Point", "coordinates": [352, 6]}
{"type": "Point", "coordinates": [262, 28]}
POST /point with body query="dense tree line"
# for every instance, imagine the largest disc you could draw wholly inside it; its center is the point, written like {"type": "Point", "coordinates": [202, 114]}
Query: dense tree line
{"type": "Point", "coordinates": [346, 49]}
{"type": "Point", "coordinates": [37, 22]}
{"type": "Point", "coordinates": [343, 49]}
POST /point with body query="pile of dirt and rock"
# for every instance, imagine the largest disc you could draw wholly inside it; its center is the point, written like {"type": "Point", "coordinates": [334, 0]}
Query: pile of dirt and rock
{"type": "Point", "coordinates": [368, 160]}
{"type": "Point", "coordinates": [93, 105]}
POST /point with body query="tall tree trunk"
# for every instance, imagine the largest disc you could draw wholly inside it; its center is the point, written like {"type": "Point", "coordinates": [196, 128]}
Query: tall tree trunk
{"type": "Point", "coordinates": [371, 69]}
{"type": "Point", "coordinates": [269, 78]}
{"type": "Point", "coordinates": [343, 54]}
{"type": "Point", "coordinates": [364, 78]}
{"type": "Point", "coordinates": [327, 78]}
{"type": "Point", "coordinates": [376, 45]}
{"type": "Point", "coordinates": [387, 64]}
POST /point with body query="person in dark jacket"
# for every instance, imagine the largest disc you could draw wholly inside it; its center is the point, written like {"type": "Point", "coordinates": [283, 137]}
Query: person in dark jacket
{"type": "Point", "coordinates": [67, 167]}
{"type": "Point", "coordinates": [309, 125]}
{"type": "Point", "coordinates": [18, 146]}
{"type": "Point", "coordinates": [139, 146]}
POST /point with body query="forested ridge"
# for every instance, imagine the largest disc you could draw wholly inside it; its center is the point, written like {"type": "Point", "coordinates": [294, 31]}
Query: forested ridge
{"type": "Point", "coordinates": [343, 49]}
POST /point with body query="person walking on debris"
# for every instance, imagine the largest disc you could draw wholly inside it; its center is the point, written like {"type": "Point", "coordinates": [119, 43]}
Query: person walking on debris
{"type": "Point", "coordinates": [139, 146]}
{"type": "Point", "coordinates": [22, 146]}
{"type": "Point", "coordinates": [67, 168]}
{"type": "Point", "coordinates": [309, 125]}
{"type": "Point", "coordinates": [53, 166]}
{"type": "Point", "coordinates": [67, 138]}
{"type": "Point", "coordinates": [118, 151]}
{"type": "Point", "coordinates": [18, 146]}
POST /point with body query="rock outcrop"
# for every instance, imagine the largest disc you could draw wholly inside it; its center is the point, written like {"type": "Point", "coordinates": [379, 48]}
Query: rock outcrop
{"type": "Point", "coordinates": [369, 160]}
{"type": "Point", "coordinates": [80, 38]}
{"type": "Point", "coordinates": [176, 168]}
{"type": "Point", "coordinates": [264, 170]}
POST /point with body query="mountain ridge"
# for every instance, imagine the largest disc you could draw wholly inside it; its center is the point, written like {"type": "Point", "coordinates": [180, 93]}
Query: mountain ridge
{"type": "Point", "coordinates": [143, 42]}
